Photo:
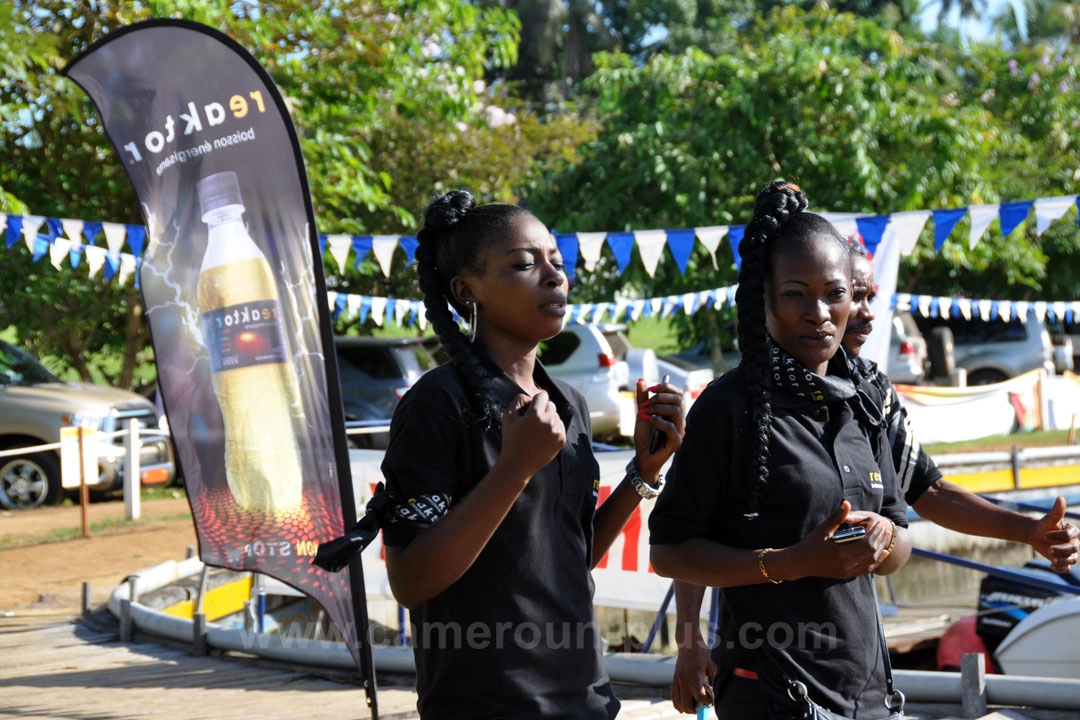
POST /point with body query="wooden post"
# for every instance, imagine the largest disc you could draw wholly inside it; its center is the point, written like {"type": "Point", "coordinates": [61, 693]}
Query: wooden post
{"type": "Point", "coordinates": [199, 646]}
{"type": "Point", "coordinates": [87, 598]}
{"type": "Point", "coordinates": [84, 491]}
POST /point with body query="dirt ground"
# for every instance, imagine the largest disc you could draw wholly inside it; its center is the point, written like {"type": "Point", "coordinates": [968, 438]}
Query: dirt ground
{"type": "Point", "coordinates": [47, 577]}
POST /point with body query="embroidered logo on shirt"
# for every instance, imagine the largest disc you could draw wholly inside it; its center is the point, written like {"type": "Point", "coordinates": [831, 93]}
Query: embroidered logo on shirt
{"type": "Point", "coordinates": [596, 487]}
{"type": "Point", "coordinates": [875, 480]}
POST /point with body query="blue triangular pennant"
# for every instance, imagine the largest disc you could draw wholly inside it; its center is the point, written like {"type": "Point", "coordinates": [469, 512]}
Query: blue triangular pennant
{"type": "Point", "coordinates": [322, 246]}
{"type": "Point", "coordinates": [681, 244]}
{"type": "Point", "coordinates": [90, 231]}
{"type": "Point", "coordinates": [340, 303]}
{"type": "Point", "coordinates": [409, 244]}
{"type": "Point", "coordinates": [136, 237]}
{"type": "Point", "coordinates": [361, 245]}
{"type": "Point", "coordinates": [55, 228]}
{"type": "Point", "coordinates": [734, 236]}
{"type": "Point", "coordinates": [622, 247]}
{"type": "Point", "coordinates": [14, 229]}
{"type": "Point", "coordinates": [365, 308]}
{"type": "Point", "coordinates": [568, 248]}
{"type": "Point", "coordinates": [112, 266]}
{"type": "Point", "coordinates": [1012, 214]}
{"type": "Point", "coordinates": [41, 247]}
{"type": "Point", "coordinates": [871, 229]}
{"type": "Point", "coordinates": [944, 222]}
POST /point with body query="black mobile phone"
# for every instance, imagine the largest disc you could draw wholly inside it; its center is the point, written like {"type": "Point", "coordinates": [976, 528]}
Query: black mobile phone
{"type": "Point", "coordinates": [657, 438]}
{"type": "Point", "coordinates": [847, 533]}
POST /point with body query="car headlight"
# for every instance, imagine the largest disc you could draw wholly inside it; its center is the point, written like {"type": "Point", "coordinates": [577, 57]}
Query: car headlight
{"type": "Point", "coordinates": [91, 422]}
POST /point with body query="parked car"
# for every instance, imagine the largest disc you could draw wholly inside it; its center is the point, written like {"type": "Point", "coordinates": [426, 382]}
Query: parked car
{"type": "Point", "coordinates": [582, 356]}
{"type": "Point", "coordinates": [375, 373]}
{"type": "Point", "coordinates": [685, 374]}
{"type": "Point", "coordinates": [907, 350]}
{"type": "Point", "coordinates": [993, 351]}
{"type": "Point", "coordinates": [640, 362]}
{"type": "Point", "coordinates": [35, 405]}
{"type": "Point", "coordinates": [1065, 336]}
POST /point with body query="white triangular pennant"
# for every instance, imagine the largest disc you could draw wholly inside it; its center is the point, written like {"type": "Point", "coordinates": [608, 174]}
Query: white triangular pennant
{"type": "Point", "coordinates": [115, 233]}
{"type": "Point", "coordinates": [383, 246]}
{"type": "Point", "coordinates": [981, 217]}
{"type": "Point", "coordinates": [944, 307]}
{"type": "Point", "coordinates": [903, 302]}
{"type": "Point", "coordinates": [710, 237]}
{"type": "Point", "coordinates": [339, 246]}
{"type": "Point", "coordinates": [73, 229]}
{"type": "Point", "coordinates": [378, 310]}
{"type": "Point", "coordinates": [908, 226]}
{"type": "Point", "coordinates": [923, 303]}
{"type": "Point", "coordinates": [127, 267]}
{"type": "Point", "coordinates": [95, 258]}
{"type": "Point", "coordinates": [965, 307]}
{"type": "Point", "coordinates": [984, 308]}
{"type": "Point", "coordinates": [352, 304]}
{"type": "Point", "coordinates": [1059, 310]}
{"type": "Point", "coordinates": [589, 246]}
{"type": "Point", "coordinates": [1040, 310]}
{"type": "Point", "coordinates": [1005, 310]}
{"type": "Point", "coordinates": [1047, 210]}
{"type": "Point", "coordinates": [31, 225]}
{"type": "Point", "coordinates": [58, 251]}
{"type": "Point", "coordinates": [401, 311]}
{"type": "Point", "coordinates": [650, 244]}
{"type": "Point", "coordinates": [844, 222]}
{"type": "Point", "coordinates": [421, 315]}
{"type": "Point", "coordinates": [636, 309]}
{"type": "Point", "coordinates": [3, 222]}
{"type": "Point", "coordinates": [689, 303]}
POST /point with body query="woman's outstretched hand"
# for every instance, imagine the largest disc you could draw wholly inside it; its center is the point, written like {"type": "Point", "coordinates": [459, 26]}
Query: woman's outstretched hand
{"type": "Point", "coordinates": [533, 433]}
{"type": "Point", "coordinates": [663, 411]}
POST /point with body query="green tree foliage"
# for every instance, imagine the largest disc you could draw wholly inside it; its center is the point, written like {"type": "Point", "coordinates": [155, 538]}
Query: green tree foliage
{"type": "Point", "coordinates": [865, 120]}
{"type": "Point", "coordinates": [387, 97]}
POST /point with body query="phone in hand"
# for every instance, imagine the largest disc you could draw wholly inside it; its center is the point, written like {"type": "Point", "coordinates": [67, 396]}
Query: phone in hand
{"type": "Point", "coordinates": [658, 437]}
{"type": "Point", "coordinates": [847, 533]}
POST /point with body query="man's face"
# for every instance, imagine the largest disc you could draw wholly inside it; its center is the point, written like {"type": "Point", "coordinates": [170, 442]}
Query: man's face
{"type": "Point", "coordinates": [863, 291]}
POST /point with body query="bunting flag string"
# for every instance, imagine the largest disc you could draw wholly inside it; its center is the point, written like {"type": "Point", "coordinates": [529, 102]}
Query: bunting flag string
{"type": "Point", "coordinates": [407, 313]}
{"type": "Point", "coordinates": [75, 237]}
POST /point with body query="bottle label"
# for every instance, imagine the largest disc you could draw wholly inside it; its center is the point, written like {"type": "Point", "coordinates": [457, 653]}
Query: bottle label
{"type": "Point", "coordinates": [243, 335]}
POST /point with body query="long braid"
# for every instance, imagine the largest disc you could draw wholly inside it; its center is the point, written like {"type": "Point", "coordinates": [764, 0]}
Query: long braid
{"type": "Point", "coordinates": [773, 207]}
{"type": "Point", "coordinates": [455, 230]}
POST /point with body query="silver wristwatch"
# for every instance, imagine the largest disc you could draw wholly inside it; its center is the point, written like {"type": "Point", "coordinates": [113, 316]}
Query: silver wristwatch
{"type": "Point", "coordinates": [642, 488]}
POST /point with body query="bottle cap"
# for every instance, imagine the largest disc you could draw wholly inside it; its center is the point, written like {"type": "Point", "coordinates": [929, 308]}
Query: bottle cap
{"type": "Point", "coordinates": [218, 190]}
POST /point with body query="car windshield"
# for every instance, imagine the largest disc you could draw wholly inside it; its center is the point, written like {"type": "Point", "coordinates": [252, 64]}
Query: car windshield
{"type": "Point", "coordinates": [19, 368]}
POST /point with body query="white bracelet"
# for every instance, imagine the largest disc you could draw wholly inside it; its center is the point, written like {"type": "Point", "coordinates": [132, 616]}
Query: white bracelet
{"type": "Point", "coordinates": [642, 488]}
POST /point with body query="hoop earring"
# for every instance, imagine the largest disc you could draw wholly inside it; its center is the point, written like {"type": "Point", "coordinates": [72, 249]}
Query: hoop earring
{"type": "Point", "coordinates": [472, 323]}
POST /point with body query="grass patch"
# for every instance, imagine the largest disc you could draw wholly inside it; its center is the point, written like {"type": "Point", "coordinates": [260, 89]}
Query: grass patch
{"type": "Point", "coordinates": [97, 527]}
{"type": "Point", "coordinates": [1002, 443]}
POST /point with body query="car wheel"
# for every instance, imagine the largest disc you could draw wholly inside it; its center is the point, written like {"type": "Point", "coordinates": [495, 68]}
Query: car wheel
{"type": "Point", "coordinates": [941, 348]}
{"type": "Point", "coordinates": [30, 481]}
{"type": "Point", "coordinates": [986, 377]}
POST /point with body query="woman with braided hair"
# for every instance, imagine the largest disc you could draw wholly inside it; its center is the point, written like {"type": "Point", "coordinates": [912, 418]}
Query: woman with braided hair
{"type": "Point", "coordinates": [781, 455]}
{"type": "Point", "coordinates": [492, 549]}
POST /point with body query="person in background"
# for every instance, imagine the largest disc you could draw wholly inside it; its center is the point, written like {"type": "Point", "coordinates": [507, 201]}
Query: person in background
{"type": "Point", "coordinates": [492, 550]}
{"type": "Point", "coordinates": [933, 498]}
{"type": "Point", "coordinates": [779, 454]}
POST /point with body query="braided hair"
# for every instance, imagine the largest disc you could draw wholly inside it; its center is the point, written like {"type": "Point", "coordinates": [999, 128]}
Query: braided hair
{"type": "Point", "coordinates": [780, 221]}
{"type": "Point", "coordinates": [456, 231]}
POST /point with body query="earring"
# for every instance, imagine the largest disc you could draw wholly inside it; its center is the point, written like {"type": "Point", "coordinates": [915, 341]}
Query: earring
{"type": "Point", "coordinates": [472, 323]}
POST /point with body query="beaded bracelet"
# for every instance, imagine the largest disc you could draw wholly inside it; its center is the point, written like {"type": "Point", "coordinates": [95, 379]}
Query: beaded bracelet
{"type": "Point", "coordinates": [892, 541]}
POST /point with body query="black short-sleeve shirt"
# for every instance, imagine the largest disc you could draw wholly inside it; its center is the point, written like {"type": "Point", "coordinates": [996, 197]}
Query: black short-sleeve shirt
{"type": "Point", "coordinates": [817, 630]}
{"type": "Point", "coordinates": [516, 635]}
{"type": "Point", "coordinates": [915, 470]}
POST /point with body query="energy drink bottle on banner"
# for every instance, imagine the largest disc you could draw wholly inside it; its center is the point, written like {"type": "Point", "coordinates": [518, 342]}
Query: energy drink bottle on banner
{"type": "Point", "coordinates": [251, 367]}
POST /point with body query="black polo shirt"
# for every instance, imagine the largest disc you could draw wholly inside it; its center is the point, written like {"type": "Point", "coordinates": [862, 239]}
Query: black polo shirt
{"type": "Point", "coordinates": [915, 470]}
{"type": "Point", "coordinates": [516, 635]}
{"type": "Point", "coordinates": [817, 630]}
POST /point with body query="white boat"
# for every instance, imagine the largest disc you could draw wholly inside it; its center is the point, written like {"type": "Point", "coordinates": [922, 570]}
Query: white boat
{"type": "Point", "coordinates": [1046, 643]}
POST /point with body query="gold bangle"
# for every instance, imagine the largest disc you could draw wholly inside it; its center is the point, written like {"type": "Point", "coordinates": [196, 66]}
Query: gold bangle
{"type": "Point", "coordinates": [892, 540]}
{"type": "Point", "coordinates": [761, 565]}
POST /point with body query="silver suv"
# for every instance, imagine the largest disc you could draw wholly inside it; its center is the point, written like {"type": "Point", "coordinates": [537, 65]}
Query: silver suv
{"type": "Point", "coordinates": [582, 356]}
{"type": "Point", "coordinates": [35, 405]}
{"type": "Point", "coordinates": [993, 351]}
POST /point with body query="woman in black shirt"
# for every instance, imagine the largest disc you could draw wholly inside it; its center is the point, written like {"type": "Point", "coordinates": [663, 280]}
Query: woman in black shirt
{"type": "Point", "coordinates": [493, 548]}
{"type": "Point", "coordinates": [779, 453]}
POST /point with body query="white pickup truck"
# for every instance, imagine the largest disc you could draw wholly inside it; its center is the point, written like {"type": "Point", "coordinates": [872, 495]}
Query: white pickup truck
{"type": "Point", "coordinates": [35, 405]}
